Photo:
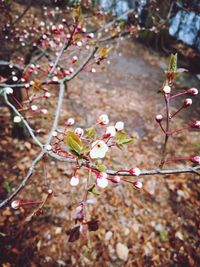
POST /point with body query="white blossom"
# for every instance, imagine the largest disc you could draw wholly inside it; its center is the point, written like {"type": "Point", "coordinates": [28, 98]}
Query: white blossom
{"type": "Point", "coordinates": [111, 130]}
{"type": "Point", "coordinates": [98, 150]}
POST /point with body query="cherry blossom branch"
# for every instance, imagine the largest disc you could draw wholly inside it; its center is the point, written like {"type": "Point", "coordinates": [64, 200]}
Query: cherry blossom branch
{"type": "Point", "coordinates": [166, 130]}
{"type": "Point", "coordinates": [43, 152]}
{"type": "Point", "coordinates": [57, 113]}
{"type": "Point", "coordinates": [187, 169]}
{"type": "Point", "coordinates": [85, 62]}
{"type": "Point", "coordinates": [23, 120]}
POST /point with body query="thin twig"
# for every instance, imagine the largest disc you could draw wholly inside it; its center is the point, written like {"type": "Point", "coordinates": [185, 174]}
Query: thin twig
{"type": "Point", "coordinates": [24, 182]}
{"type": "Point", "coordinates": [24, 121]}
{"type": "Point", "coordinates": [74, 74]}
{"type": "Point", "coordinates": [187, 169]}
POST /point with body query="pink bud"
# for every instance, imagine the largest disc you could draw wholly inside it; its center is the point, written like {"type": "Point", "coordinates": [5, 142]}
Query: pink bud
{"type": "Point", "coordinates": [135, 171]}
{"type": "Point", "coordinates": [47, 94]}
{"type": "Point", "coordinates": [70, 121]}
{"type": "Point", "coordinates": [55, 79]}
{"type": "Point", "coordinates": [196, 124]}
{"type": "Point", "coordinates": [137, 184]}
{"type": "Point", "coordinates": [48, 147]}
{"type": "Point", "coordinates": [159, 118]}
{"type": "Point", "coordinates": [74, 59]}
{"type": "Point", "coordinates": [115, 179]}
{"type": "Point", "coordinates": [103, 119]}
{"type": "Point", "coordinates": [187, 102]}
{"type": "Point", "coordinates": [192, 91]}
{"type": "Point", "coordinates": [196, 159]}
{"type": "Point", "coordinates": [15, 204]}
{"type": "Point", "coordinates": [79, 131]}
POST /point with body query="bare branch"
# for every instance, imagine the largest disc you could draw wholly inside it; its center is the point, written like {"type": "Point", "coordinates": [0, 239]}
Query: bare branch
{"type": "Point", "coordinates": [186, 169]}
{"type": "Point", "coordinates": [74, 74]}
{"type": "Point", "coordinates": [24, 121]}
{"type": "Point", "coordinates": [24, 182]}
{"type": "Point", "coordinates": [57, 113]}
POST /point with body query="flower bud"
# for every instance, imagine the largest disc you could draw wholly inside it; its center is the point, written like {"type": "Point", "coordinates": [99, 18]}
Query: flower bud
{"type": "Point", "coordinates": [159, 118]}
{"type": "Point", "coordinates": [192, 91]}
{"type": "Point", "coordinates": [187, 102]}
{"type": "Point", "coordinates": [196, 124]}
{"type": "Point", "coordinates": [115, 179]}
{"type": "Point", "coordinates": [48, 147]}
{"type": "Point", "coordinates": [34, 107]}
{"type": "Point", "coordinates": [135, 171]}
{"type": "Point", "coordinates": [196, 159]}
{"type": "Point", "coordinates": [103, 119]}
{"type": "Point", "coordinates": [119, 126]}
{"type": "Point", "coordinates": [102, 180]}
{"type": "Point", "coordinates": [47, 94]}
{"type": "Point", "coordinates": [137, 184]}
{"type": "Point", "coordinates": [167, 89]}
{"type": "Point", "coordinates": [74, 59]}
{"type": "Point", "coordinates": [79, 131]}
{"type": "Point", "coordinates": [70, 121]}
{"type": "Point", "coordinates": [15, 204]}
{"type": "Point", "coordinates": [74, 181]}
{"type": "Point", "coordinates": [44, 111]}
{"type": "Point", "coordinates": [54, 134]}
{"type": "Point", "coordinates": [17, 119]}
{"type": "Point", "coordinates": [55, 79]}
{"type": "Point", "coordinates": [9, 90]}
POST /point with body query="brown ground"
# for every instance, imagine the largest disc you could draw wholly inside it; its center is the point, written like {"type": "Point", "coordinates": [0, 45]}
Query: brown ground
{"type": "Point", "coordinates": [161, 229]}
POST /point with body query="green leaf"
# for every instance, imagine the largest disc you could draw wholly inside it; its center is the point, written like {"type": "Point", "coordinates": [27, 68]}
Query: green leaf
{"type": "Point", "coordinates": [73, 142]}
{"type": "Point", "coordinates": [120, 135]}
{"type": "Point", "coordinates": [125, 141]}
{"type": "Point", "coordinates": [7, 186]}
{"type": "Point", "coordinates": [90, 132]}
{"type": "Point", "coordinates": [121, 138]}
{"type": "Point", "coordinates": [173, 63]}
{"type": "Point", "coordinates": [101, 168]}
{"type": "Point", "coordinates": [94, 191]}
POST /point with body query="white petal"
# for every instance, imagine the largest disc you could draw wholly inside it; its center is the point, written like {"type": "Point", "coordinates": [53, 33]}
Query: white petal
{"type": "Point", "coordinates": [102, 182]}
{"type": "Point", "coordinates": [74, 181]}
